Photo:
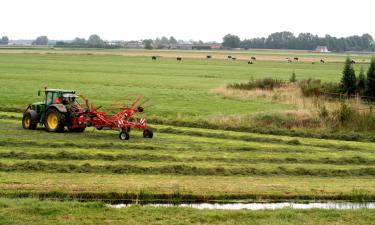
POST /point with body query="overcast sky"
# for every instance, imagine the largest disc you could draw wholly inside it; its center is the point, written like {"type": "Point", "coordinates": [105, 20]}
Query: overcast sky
{"type": "Point", "coordinates": [206, 20]}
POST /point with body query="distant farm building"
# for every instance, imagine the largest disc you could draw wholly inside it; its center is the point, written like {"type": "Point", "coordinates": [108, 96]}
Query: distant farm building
{"type": "Point", "coordinates": [321, 49]}
{"type": "Point", "coordinates": [216, 46]}
{"type": "Point", "coordinates": [135, 44]}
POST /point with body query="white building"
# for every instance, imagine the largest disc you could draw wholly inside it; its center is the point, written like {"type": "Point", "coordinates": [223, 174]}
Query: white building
{"type": "Point", "coordinates": [323, 49]}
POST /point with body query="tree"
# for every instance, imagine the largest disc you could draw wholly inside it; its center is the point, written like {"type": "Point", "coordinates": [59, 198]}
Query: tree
{"type": "Point", "coordinates": [231, 41]}
{"type": "Point", "coordinates": [41, 40]}
{"type": "Point", "coordinates": [164, 41]}
{"type": "Point", "coordinates": [4, 40]}
{"type": "Point", "coordinates": [370, 89]}
{"type": "Point", "coordinates": [172, 40]}
{"type": "Point", "coordinates": [361, 83]}
{"type": "Point", "coordinates": [348, 80]}
{"type": "Point", "coordinates": [148, 44]}
{"type": "Point", "coordinates": [79, 41]}
{"type": "Point", "coordinates": [95, 41]}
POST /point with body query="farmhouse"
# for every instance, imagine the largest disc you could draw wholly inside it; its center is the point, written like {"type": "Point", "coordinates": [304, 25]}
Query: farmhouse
{"type": "Point", "coordinates": [135, 44]}
{"type": "Point", "coordinates": [321, 49]}
{"type": "Point", "coordinates": [216, 46]}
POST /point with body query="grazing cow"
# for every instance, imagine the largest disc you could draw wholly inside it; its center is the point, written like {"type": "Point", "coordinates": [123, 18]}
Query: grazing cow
{"type": "Point", "coordinates": [352, 61]}
{"type": "Point", "coordinates": [289, 60]}
{"type": "Point", "coordinates": [153, 57]}
{"type": "Point", "coordinates": [253, 58]}
{"type": "Point", "coordinates": [296, 58]}
{"type": "Point", "coordinates": [208, 57]}
{"type": "Point", "coordinates": [229, 56]}
{"type": "Point", "coordinates": [179, 58]}
{"type": "Point", "coordinates": [250, 62]}
{"type": "Point", "coordinates": [322, 61]}
{"type": "Point", "coordinates": [234, 58]}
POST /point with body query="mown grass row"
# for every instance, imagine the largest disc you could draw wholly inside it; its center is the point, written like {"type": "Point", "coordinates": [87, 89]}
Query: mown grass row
{"type": "Point", "coordinates": [347, 136]}
{"type": "Point", "coordinates": [249, 138]}
{"type": "Point", "coordinates": [64, 155]}
{"type": "Point", "coordinates": [182, 169]}
{"type": "Point", "coordinates": [177, 197]}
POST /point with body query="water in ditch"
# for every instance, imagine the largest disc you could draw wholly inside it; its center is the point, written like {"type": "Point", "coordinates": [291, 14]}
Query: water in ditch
{"type": "Point", "coordinates": [260, 206]}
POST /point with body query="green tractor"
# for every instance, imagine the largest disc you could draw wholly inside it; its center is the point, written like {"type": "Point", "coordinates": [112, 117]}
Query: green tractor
{"type": "Point", "coordinates": [58, 110]}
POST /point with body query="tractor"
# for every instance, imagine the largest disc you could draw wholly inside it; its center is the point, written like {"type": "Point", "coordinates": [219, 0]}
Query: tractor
{"type": "Point", "coordinates": [59, 109]}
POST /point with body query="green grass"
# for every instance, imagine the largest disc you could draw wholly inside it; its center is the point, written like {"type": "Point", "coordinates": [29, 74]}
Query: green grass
{"type": "Point", "coordinates": [30, 211]}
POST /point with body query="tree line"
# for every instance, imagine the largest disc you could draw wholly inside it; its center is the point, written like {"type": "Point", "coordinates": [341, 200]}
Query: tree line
{"type": "Point", "coordinates": [94, 41]}
{"type": "Point", "coordinates": [304, 41]}
{"type": "Point", "coordinates": [4, 40]}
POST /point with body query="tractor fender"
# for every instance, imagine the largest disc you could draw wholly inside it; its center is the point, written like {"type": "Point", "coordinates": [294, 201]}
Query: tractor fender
{"type": "Point", "coordinates": [60, 107]}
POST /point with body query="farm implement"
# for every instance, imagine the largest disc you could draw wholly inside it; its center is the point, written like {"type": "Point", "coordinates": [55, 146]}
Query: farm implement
{"type": "Point", "coordinates": [61, 109]}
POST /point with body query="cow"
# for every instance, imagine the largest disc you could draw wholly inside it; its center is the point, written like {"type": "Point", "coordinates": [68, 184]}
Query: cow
{"type": "Point", "coordinates": [253, 58]}
{"type": "Point", "coordinates": [352, 61]}
{"type": "Point", "coordinates": [313, 63]}
{"type": "Point", "coordinates": [153, 57]}
{"type": "Point", "coordinates": [234, 58]}
{"type": "Point", "coordinates": [322, 61]}
{"type": "Point", "coordinates": [296, 58]}
{"type": "Point", "coordinates": [229, 56]}
{"type": "Point", "coordinates": [249, 62]}
{"type": "Point", "coordinates": [208, 57]}
{"type": "Point", "coordinates": [289, 60]}
{"type": "Point", "coordinates": [179, 58]}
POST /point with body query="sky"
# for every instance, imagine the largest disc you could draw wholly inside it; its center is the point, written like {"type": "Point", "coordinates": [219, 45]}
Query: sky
{"type": "Point", "coordinates": [206, 20]}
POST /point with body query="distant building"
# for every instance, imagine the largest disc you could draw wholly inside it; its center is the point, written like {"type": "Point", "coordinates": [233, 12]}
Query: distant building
{"type": "Point", "coordinates": [135, 44]}
{"type": "Point", "coordinates": [321, 49]}
{"type": "Point", "coordinates": [184, 46]}
{"type": "Point", "coordinates": [216, 46]}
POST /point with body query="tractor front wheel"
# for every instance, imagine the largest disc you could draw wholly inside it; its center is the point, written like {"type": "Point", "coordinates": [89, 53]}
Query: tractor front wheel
{"type": "Point", "coordinates": [148, 133]}
{"type": "Point", "coordinates": [30, 120]}
{"type": "Point", "coordinates": [54, 120]}
{"type": "Point", "coordinates": [124, 135]}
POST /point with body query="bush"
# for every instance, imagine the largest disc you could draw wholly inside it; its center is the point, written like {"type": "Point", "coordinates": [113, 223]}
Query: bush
{"type": "Point", "coordinates": [293, 78]}
{"type": "Point", "coordinates": [266, 83]}
{"type": "Point", "coordinates": [346, 112]}
{"type": "Point", "coordinates": [310, 87]}
{"type": "Point", "coordinates": [315, 87]}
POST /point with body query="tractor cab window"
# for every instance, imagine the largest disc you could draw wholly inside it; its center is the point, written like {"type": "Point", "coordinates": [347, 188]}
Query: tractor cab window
{"type": "Point", "coordinates": [49, 98]}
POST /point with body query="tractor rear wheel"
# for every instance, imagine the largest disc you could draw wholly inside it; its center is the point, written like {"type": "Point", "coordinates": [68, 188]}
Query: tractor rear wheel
{"type": "Point", "coordinates": [30, 120]}
{"type": "Point", "coordinates": [54, 121]}
{"type": "Point", "coordinates": [148, 133]}
{"type": "Point", "coordinates": [124, 135]}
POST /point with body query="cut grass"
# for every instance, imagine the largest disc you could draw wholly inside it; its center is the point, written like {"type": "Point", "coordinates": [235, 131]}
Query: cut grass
{"type": "Point", "coordinates": [31, 211]}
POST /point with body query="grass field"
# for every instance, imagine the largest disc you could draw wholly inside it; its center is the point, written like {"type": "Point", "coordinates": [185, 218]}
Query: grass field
{"type": "Point", "coordinates": [181, 163]}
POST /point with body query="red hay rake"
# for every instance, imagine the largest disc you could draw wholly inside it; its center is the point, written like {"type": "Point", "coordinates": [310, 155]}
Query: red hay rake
{"type": "Point", "coordinates": [123, 120]}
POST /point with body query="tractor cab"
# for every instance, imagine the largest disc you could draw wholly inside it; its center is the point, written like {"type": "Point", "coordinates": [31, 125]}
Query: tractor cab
{"type": "Point", "coordinates": [58, 109]}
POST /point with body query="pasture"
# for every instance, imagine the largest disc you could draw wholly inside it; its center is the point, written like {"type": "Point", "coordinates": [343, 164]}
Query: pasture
{"type": "Point", "coordinates": [181, 163]}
